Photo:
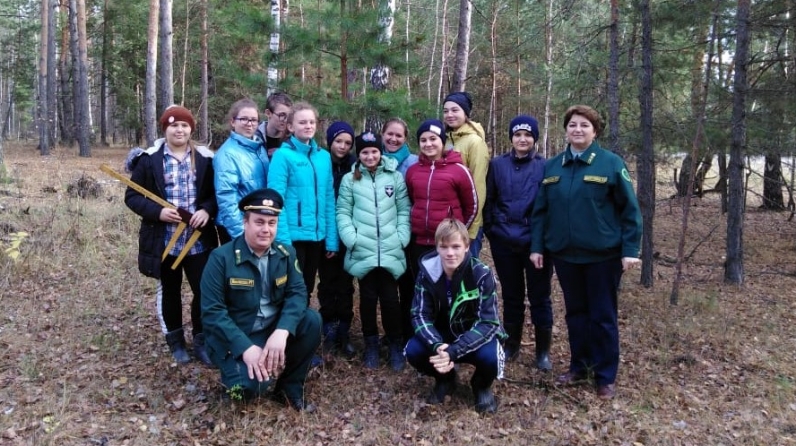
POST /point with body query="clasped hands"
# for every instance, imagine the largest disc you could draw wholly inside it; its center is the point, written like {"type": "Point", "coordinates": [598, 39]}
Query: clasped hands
{"type": "Point", "coordinates": [268, 362]}
{"type": "Point", "coordinates": [442, 360]}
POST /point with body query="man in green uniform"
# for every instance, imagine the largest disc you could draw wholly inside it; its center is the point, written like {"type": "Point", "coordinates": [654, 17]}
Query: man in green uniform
{"type": "Point", "coordinates": [254, 306]}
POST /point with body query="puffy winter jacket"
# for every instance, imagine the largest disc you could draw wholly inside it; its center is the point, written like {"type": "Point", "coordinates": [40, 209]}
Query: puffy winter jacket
{"type": "Point", "coordinates": [241, 166]}
{"type": "Point", "coordinates": [148, 172]}
{"type": "Point", "coordinates": [470, 141]}
{"type": "Point", "coordinates": [302, 174]}
{"type": "Point", "coordinates": [373, 220]}
{"type": "Point", "coordinates": [438, 190]}
{"type": "Point", "coordinates": [511, 187]}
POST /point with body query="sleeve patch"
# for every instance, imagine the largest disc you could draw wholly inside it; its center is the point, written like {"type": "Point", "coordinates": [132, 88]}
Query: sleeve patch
{"type": "Point", "coordinates": [626, 175]}
{"type": "Point", "coordinates": [281, 280]}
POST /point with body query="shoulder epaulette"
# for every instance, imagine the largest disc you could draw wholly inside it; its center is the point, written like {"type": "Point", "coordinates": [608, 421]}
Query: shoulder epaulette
{"type": "Point", "coordinates": [283, 249]}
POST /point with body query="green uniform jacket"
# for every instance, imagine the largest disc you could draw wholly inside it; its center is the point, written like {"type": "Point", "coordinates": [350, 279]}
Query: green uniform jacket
{"type": "Point", "coordinates": [231, 291]}
{"type": "Point", "coordinates": [587, 208]}
{"type": "Point", "coordinates": [470, 142]}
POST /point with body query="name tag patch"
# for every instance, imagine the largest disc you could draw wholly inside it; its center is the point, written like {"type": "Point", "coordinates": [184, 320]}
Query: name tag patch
{"type": "Point", "coordinates": [233, 281]}
{"type": "Point", "coordinates": [550, 180]}
{"type": "Point", "coordinates": [595, 179]}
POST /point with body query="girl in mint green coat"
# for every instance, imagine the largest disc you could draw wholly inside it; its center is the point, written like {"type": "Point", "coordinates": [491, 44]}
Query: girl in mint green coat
{"type": "Point", "coordinates": [373, 222]}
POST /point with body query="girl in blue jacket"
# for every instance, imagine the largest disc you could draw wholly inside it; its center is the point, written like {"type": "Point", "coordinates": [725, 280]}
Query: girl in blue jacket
{"type": "Point", "coordinates": [301, 171]}
{"type": "Point", "coordinates": [373, 216]}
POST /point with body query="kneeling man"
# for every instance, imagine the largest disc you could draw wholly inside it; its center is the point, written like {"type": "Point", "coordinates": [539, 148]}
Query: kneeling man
{"type": "Point", "coordinates": [455, 318]}
{"type": "Point", "coordinates": [254, 306]}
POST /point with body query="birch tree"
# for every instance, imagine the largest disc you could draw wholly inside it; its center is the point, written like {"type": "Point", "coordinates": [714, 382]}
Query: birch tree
{"type": "Point", "coordinates": [166, 67]}
{"type": "Point", "coordinates": [150, 96]}
{"type": "Point", "coordinates": [204, 125]}
{"type": "Point", "coordinates": [462, 46]}
{"type": "Point", "coordinates": [273, 47]}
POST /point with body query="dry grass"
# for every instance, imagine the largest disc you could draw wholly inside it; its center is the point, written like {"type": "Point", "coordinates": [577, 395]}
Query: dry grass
{"type": "Point", "coordinates": [82, 361]}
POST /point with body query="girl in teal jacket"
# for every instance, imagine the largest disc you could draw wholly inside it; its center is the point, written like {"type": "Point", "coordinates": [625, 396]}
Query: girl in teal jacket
{"type": "Point", "coordinates": [373, 218]}
{"type": "Point", "coordinates": [301, 171]}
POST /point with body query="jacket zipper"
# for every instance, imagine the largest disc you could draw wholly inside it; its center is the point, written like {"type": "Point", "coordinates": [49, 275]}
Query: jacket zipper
{"type": "Point", "coordinates": [428, 192]}
{"type": "Point", "coordinates": [378, 226]}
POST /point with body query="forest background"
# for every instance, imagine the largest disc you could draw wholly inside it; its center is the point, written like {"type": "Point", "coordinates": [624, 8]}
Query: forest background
{"type": "Point", "coordinates": [698, 99]}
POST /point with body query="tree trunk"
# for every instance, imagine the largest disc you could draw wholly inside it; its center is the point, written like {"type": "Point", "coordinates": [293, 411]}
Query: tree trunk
{"type": "Point", "coordinates": [444, 50]}
{"type": "Point", "coordinates": [773, 199]}
{"type": "Point", "coordinates": [65, 66]}
{"type": "Point", "coordinates": [43, 105]}
{"type": "Point", "coordinates": [645, 163]}
{"type": "Point", "coordinates": [104, 76]}
{"type": "Point", "coordinates": [81, 96]}
{"type": "Point", "coordinates": [493, 37]}
{"type": "Point", "coordinates": [380, 74]}
{"type": "Point", "coordinates": [734, 268]}
{"type": "Point", "coordinates": [52, 62]}
{"type": "Point", "coordinates": [150, 95]}
{"type": "Point", "coordinates": [166, 68]}
{"type": "Point", "coordinates": [613, 81]}
{"type": "Point", "coordinates": [204, 125]}
{"type": "Point", "coordinates": [548, 37]}
{"type": "Point", "coordinates": [462, 46]}
{"type": "Point", "coordinates": [273, 46]}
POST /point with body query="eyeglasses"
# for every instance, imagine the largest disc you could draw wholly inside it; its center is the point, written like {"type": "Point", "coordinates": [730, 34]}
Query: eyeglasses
{"type": "Point", "coordinates": [248, 120]}
{"type": "Point", "coordinates": [281, 116]}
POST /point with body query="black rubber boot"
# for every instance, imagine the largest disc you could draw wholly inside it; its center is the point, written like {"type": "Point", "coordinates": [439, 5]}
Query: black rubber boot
{"type": "Point", "coordinates": [444, 385]}
{"type": "Point", "coordinates": [344, 340]}
{"type": "Point", "coordinates": [544, 337]}
{"type": "Point", "coordinates": [371, 357]}
{"type": "Point", "coordinates": [512, 345]}
{"type": "Point", "coordinates": [199, 349]}
{"type": "Point", "coordinates": [485, 401]}
{"type": "Point", "coordinates": [397, 358]}
{"type": "Point", "coordinates": [329, 331]}
{"type": "Point", "coordinates": [176, 341]}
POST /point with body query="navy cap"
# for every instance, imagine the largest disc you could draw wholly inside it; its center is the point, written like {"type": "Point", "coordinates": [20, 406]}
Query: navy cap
{"type": "Point", "coordinates": [462, 99]}
{"type": "Point", "coordinates": [367, 139]}
{"type": "Point", "coordinates": [336, 129]}
{"type": "Point", "coordinates": [262, 201]}
{"type": "Point", "coordinates": [434, 126]}
{"type": "Point", "coordinates": [524, 122]}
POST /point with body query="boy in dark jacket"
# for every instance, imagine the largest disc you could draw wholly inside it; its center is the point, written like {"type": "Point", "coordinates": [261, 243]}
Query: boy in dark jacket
{"type": "Point", "coordinates": [455, 317]}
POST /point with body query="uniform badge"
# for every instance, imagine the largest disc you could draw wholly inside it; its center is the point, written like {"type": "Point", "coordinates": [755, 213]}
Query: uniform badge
{"type": "Point", "coordinates": [389, 190]}
{"type": "Point", "coordinates": [234, 281]}
{"type": "Point", "coordinates": [281, 280]}
{"type": "Point", "coordinates": [626, 175]}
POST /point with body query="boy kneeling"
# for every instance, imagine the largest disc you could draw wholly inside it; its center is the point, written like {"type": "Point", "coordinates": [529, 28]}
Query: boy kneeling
{"type": "Point", "coordinates": [455, 318]}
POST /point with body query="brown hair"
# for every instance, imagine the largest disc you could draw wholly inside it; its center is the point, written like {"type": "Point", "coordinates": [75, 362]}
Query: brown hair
{"type": "Point", "coordinates": [276, 99]}
{"type": "Point", "coordinates": [300, 106]}
{"type": "Point", "coordinates": [239, 105]}
{"type": "Point", "coordinates": [396, 120]}
{"type": "Point", "coordinates": [587, 112]}
{"type": "Point", "coordinates": [450, 227]}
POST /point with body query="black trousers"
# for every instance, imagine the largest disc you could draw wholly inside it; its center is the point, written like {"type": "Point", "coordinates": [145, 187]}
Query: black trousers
{"type": "Point", "coordinates": [169, 297]}
{"type": "Point", "coordinates": [378, 287]}
{"type": "Point", "coordinates": [309, 255]}
{"type": "Point", "coordinates": [335, 289]}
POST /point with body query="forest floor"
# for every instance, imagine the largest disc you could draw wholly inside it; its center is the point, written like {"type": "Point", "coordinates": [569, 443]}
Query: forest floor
{"type": "Point", "coordinates": [82, 360]}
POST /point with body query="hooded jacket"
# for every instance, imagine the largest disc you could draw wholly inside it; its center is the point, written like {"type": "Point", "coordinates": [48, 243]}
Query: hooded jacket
{"type": "Point", "coordinates": [438, 190]}
{"type": "Point", "coordinates": [302, 174]}
{"type": "Point", "coordinates": [241, 166]}
{"type": "Point", "coordinates": [472, 312]}
{"type": "Point", "coordinates": [373, 219]}
{"type": "Point", "coordinates": [148, 172]}
{"type": "Point", "coordinates": [511, 187]}
{"type": "Point", "coordinates": [469, 140]}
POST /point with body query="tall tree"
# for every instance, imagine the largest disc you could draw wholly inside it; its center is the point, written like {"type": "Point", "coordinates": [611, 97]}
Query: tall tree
{"type": "Point", "coordinates": [83, 114]}
{"type": "Point", "coordinates": [462, 46]}
{"type": "Point", "coordinates": [613, 81]}
{"type": "Point", "coordinates": [645, 163]}
{"type": "Point", "coordinates": [204, 125]}
{"type": "Point", "coordinates": [273, 47]}
{"type": "Point", "coordinates": [51, 78]}
{"type": "Point", "coordinates": [166, 78]}
{"type": "Point", "coordinates": [45, 144]}
{"type": "Point", "coordinates": [150, 94]}
{"type": "Point", "coordinates": [380, 72]}
{"type": "Point", "coordinates": [734, 268]}
{"type": "Point", "coordinates": [65, 67]}
{"type": "Point", "coordinates": [106, 43]}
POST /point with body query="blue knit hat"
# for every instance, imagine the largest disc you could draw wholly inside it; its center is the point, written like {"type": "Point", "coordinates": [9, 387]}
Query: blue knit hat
{"type": "Point", "coordinates": [524, 122]}
{"type": "Point", "coordinates": [336, 129]}
{"type": "Point", "coordinates": [463, 99]}
{"type": "Point", "coordinates": [434, 126]}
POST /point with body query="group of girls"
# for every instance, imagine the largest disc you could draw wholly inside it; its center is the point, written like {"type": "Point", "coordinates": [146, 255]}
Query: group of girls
{"type": "Point", "coordinates": [370, 214]}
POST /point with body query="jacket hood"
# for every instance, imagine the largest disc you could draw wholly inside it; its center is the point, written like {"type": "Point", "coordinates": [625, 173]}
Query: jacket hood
{"type": "Point", "coordinates": [432, 264]}
{"type": "Point", "coordinates": [386, 164]}
{"type": "Point", "coordinates": [244, 142]}
{"type": "Point", "coordinates": [294, 144]}
{"type": "Point", "coordinates": [473, 128]}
